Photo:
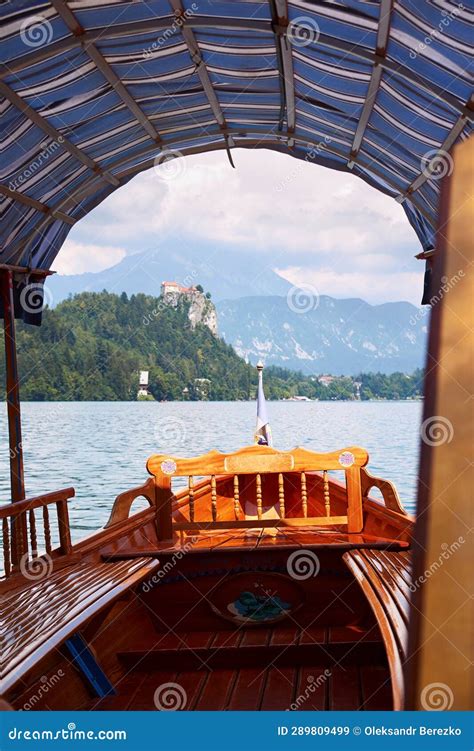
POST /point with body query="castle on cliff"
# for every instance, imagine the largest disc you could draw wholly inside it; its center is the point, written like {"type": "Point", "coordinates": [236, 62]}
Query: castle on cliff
{"type": "Point", "coordinates": [201, 309]}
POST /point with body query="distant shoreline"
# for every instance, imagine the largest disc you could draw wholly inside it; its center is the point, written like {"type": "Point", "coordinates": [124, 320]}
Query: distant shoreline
{"type": "Point", "coordinates": [214, 401]}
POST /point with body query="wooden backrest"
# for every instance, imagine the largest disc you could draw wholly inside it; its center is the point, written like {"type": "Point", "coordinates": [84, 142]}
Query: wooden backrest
{"type": "Point", "coordinates": [260, 460]}
{"type": "Point", "coordinates": [26, 532]}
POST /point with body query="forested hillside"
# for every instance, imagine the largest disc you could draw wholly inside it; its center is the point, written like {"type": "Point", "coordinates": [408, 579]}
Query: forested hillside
{"type": "Point", "coordinates": [92, 347]}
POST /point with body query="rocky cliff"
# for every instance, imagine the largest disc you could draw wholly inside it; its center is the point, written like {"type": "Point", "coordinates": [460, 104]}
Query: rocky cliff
{"type": "Point", "coordinates": [201, 309]}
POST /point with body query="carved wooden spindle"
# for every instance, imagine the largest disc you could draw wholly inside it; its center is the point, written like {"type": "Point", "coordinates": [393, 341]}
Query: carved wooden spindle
{"type": "Point", "coordinates": [236, 497]}
{"type": "Point", "coordinates": [191, 497]}
{"type": "Point", "coordinates": [6, 547]}
{"type": "Point", "coordinates": [281, 495]}
{"type": "Point", "coordinates": [33, 540]}
{"type": "Point", "coordinates": [214, 498]}
{"type": "Point", "coordinates": [15, 542]}
{"type": "Point", "coordinates": [258, 480]}
{"type": "Point", "coordinates": [327, 501]}
{"type": "Point", "coordinates": [47, 529]}
{"type": "Point", "coordinates": [64, 529]}
{"type": "Point", "coordinates": [304, 495]}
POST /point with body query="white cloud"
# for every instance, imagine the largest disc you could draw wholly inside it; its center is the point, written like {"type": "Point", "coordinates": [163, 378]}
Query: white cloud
{"type": "Point", "coordinates": [330, 223]}
{"type": "Point", "coordinates": [76, 257]}
{"type": "Point", "coordinates": [373, 287]}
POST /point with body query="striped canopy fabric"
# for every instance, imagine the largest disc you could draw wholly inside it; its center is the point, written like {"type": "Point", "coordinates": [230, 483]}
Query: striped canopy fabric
{"type": "Point", "coordinates": [94, 91]}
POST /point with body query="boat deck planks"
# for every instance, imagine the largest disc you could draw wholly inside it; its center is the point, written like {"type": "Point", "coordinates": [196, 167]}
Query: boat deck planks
{"type": "Point", "coordinates": [262, 539]}
{"type": "Point", "coordinates": [365, 687]}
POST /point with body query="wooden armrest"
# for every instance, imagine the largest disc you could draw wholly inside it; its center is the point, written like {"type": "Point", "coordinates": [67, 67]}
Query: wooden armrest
{"type": "Point", "coordinates": [389, 492]}
{"type": "Point", "coordinates": [123, 502]}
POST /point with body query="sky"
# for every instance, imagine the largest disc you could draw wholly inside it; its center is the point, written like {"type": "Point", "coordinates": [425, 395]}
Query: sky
{"type": "Point", "coordinates": [310, 224]}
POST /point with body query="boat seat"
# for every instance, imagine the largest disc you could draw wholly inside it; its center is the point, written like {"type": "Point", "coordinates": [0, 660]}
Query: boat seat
{"type": "Point", "coordinates": [384, 578]}
{"type": "Point", "coordinates": [37, 617]}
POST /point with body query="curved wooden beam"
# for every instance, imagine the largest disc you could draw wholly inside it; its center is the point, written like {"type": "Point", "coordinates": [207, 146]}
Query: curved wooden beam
{"type": "Point", "coordinates": [123, 502]}
{"type": "Point", "coordinates": [376, 76]}
{"type": "Point", "coordinates": [55, 134]}
{"type": "Point", "coordinates": [103, 66]}
{"type": "Point", "coordinates": [117, 31]}
{"type": "Point", "coordinates": [447, 144]}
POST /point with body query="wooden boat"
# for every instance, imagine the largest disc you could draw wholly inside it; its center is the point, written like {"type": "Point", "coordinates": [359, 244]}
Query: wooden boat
{"type": "Point", "coordinates": [264, 583]}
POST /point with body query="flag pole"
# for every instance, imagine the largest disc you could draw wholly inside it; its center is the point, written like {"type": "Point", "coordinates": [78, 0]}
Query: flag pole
{"type": "Point", "coordinates": [263, 433]}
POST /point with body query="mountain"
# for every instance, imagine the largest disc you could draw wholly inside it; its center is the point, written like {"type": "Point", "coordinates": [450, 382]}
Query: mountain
{"type": "Point", "coordinates": [224, 274]}
{"type": "Point", "coordinates": [332, 336]}
{"type": "Point", "coordinates": [92, 348]}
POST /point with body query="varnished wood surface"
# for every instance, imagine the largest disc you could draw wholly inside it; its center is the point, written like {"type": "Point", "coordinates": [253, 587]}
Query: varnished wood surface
{"type": "Point", "coordinates": [45, 613]}
{"type": "Point", "coordinates": [389, 492]}
{"type": "Point", "coordinates": [263, 464]}
{"type": "Point", "coordinates": [331, 679]}
{"type": "Point", "coordinates": [123, 502]}
{"type": "Point", "coordinates": [256, 459]}
{"type": "Point", "coordinates": [442, 622]}
{"type": "Point", "coordinates": [378, 574]}
{"type": "Point", "coordinates": [261, 538]}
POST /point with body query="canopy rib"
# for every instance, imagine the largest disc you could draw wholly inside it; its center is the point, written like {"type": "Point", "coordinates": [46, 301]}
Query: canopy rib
{"type": "Point", "coordinates": [83, 191]}
{"type": "Point", "coordinates": [196, 57]}
{"type": "Point", "coordinates": [448, 142]}
{"type": "Point", "coordinates": [103, 66]}
{"type": "Point", "coordinates": [280, 29]}
{"type": "Point", "coordinates": [55, 134]}
{"type": "Point", "coordinates": [383, 32]}
{"type": "Point", "coordinates": [212, 22]}
{"type": "Point", "coordinates": [121, 87]}
{"type": "Point", "coordinates": [15, 195]}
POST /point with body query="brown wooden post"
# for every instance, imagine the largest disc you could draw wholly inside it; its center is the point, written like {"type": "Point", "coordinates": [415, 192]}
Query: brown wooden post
{"type": "Point", "coordinates": [17, 479]}
{"type": "Point", "coordinates": [64, 528]}
{"type": "Point", "coordinates": [355, 517]}
{"type": "Point", "coordinates": [163, 507]}
{"type": "Point", "coordinates": [438, 669]}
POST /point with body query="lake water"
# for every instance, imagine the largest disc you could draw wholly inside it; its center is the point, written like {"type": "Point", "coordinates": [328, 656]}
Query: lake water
{"type": "Point", "coordinates": [100, 448]}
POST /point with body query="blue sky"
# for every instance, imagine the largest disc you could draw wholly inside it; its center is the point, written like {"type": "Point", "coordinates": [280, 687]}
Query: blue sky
{"type": "Point", "coordinates": [310, 224]}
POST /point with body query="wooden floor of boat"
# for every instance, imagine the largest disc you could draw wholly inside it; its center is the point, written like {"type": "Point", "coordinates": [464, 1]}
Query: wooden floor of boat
{"type": "Point", "coordinates": [258, 538]}
{"type": "Point", "coordinates": [267, 687]}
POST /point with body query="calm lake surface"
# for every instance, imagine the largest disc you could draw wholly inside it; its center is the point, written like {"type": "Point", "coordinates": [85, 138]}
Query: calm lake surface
{"type": "Point", "coordinates": [100, 448]}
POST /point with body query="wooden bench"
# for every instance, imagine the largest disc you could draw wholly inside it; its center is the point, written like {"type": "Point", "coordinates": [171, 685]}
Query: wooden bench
{"type": "Point", "coordinates": [46, 592]}
{"type": "Point", "coordinates": [273, 476]}
{"type": "Point", "coordinates": [384, 578]}
{"type": "Point", "coordinates": [37, 618]}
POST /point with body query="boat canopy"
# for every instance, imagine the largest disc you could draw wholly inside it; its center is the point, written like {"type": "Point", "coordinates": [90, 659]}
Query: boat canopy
{"type": "Point", "coordinates": [92, 93]}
